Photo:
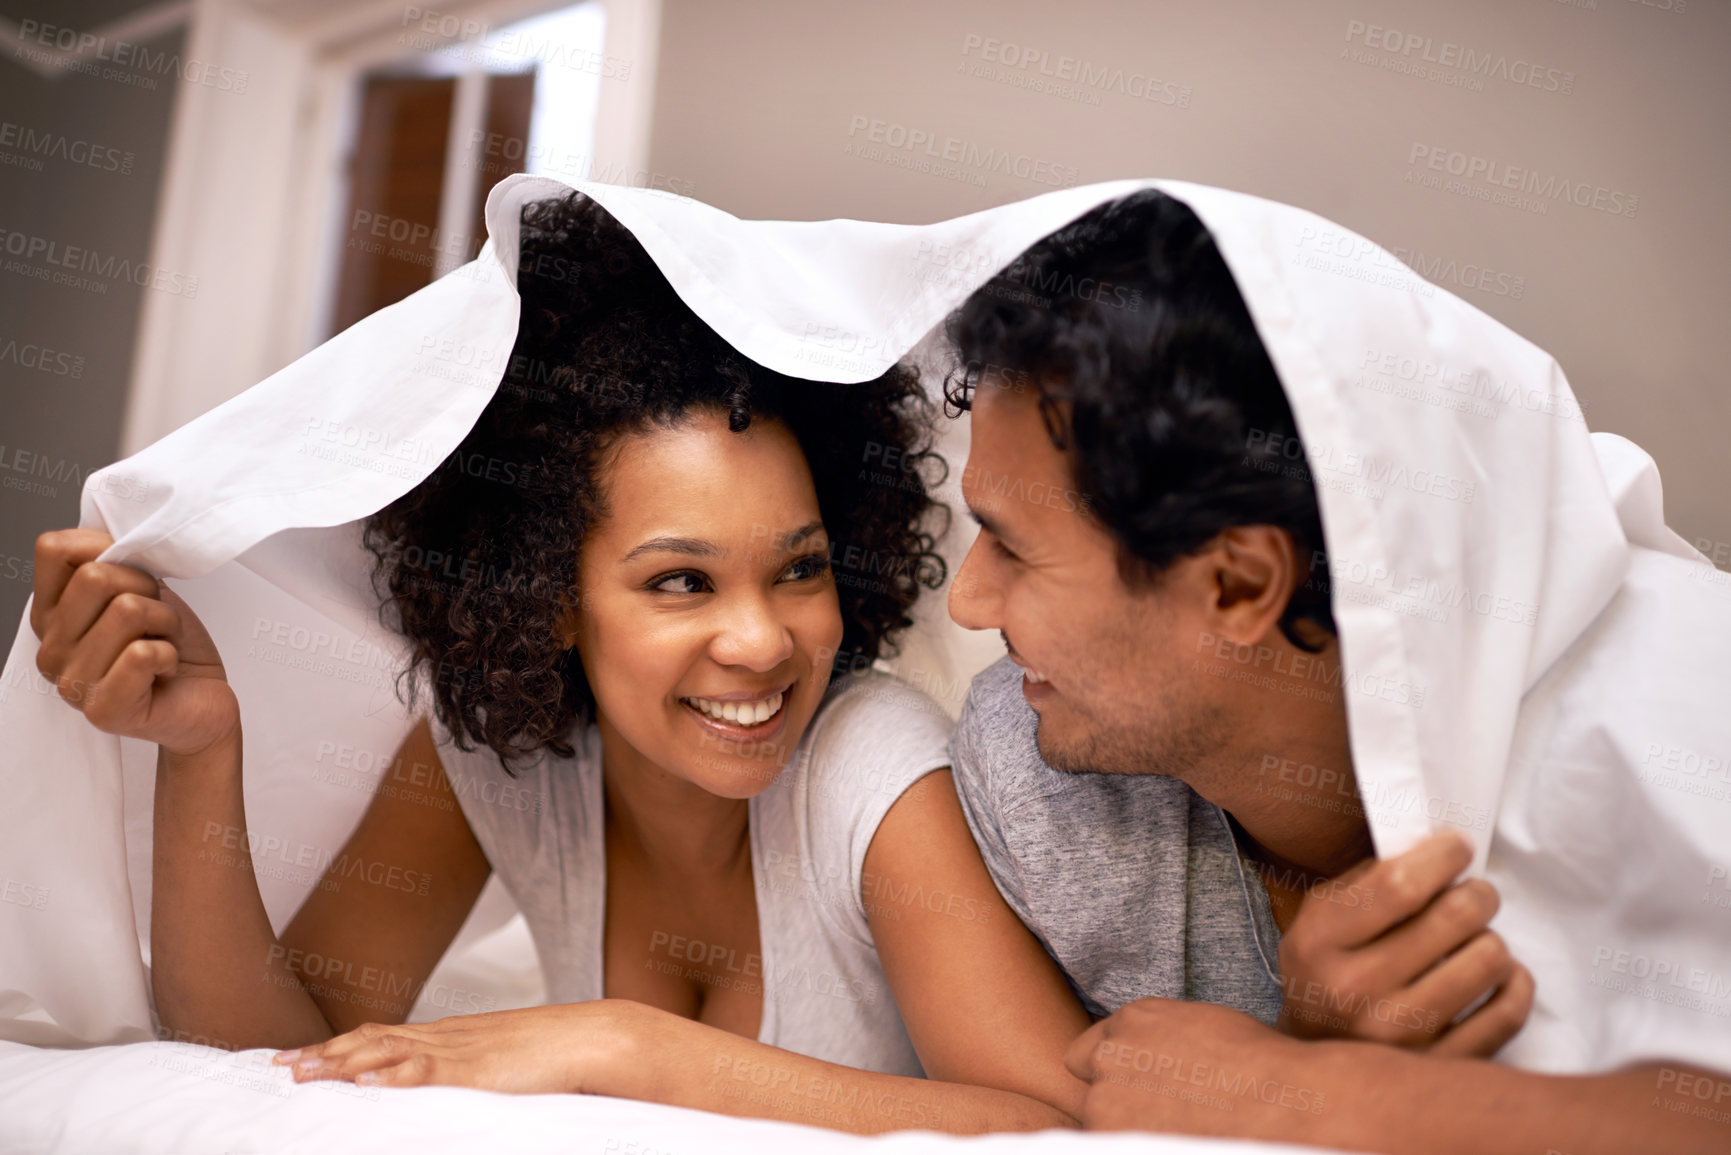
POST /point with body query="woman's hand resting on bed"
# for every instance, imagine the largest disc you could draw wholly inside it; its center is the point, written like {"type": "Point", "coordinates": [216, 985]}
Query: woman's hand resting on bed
{"type": "Point", "coordinates": [1394, 950]}
{"type": "Point", "coordinates": [567, 1048]}
{"type": "Point", "coordinates": [125, 650]}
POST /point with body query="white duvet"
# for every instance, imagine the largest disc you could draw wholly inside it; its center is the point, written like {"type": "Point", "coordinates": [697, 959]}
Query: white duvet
{"type": "Point", "coordinates": [179, 1099]}
{"type": "Point", "coordinates": [1531, 655]}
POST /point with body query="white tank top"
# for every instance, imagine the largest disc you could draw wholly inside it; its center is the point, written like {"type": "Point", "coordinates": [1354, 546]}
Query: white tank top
{"type": "Point", "coordinates": [824, 991]}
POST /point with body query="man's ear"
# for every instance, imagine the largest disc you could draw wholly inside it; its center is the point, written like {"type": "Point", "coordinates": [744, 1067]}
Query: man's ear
{"type": "Point", "coordinates": [1253, 569]}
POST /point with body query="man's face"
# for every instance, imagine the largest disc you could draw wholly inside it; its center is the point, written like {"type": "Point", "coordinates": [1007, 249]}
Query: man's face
{"type": "Point", "coordinates": [1106, 667]}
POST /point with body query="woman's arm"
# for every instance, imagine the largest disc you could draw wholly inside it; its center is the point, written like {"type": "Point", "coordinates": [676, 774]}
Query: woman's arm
{"type": "Point", "coordinates": [987, 1009]}
{"type": "Point", "coordinates": [359, 949]}
{"type": "Point", "coordinates": [136, 661]}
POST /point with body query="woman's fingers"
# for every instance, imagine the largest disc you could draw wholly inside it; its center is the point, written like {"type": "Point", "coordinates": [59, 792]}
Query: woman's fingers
{"type": "Point", "coordinates": [83, 600]}
{"type": "Point", "coordinates": [418, 1070]}
{"type": "Point", "coordinates": [368, 1047]}
{"type": "Point", "coordinates": [348, 1055]}
{"type": "Point", "coordinates": [59, 553]}
{"type": "Point", "coordinates": [1486, 1030]}
{"type": "Point", "coordinates": [120, 701]}
{"type": "Point", "coordinates": [127, 618]}
{"type": "Point", "coordinates": [125, 651]}
{"type": "Point", "coordinates": [381, 1052]}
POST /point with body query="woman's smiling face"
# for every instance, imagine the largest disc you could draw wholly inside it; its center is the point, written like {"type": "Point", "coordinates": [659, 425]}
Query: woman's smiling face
{"type": "Point", "coordinates": [708, 616]}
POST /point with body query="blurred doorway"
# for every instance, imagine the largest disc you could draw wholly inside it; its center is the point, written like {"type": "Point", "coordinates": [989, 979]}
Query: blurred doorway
{"type": "Point", "coordinates": [435, 131]}
{"type": "Point", "coordinates": [371, 121]}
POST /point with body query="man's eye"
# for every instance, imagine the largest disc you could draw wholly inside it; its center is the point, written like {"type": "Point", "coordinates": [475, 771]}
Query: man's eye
{"type": "Point", "coordinates": [1003, 550]}
{"type": "Point", "coordinates": [683, 582]}
{"type": "Point", "coordinates": [808, 567]}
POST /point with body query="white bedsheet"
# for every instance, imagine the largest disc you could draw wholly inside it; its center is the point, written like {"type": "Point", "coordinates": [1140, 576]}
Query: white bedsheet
{"type": "Point", "coordinates": [179, 1099]}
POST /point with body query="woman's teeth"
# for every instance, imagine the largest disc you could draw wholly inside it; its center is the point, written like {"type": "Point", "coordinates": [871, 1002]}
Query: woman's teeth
{"type": "Point", "coordinates": [739, 713]}
{"type": "Point", "coordinates": [1033, 675]}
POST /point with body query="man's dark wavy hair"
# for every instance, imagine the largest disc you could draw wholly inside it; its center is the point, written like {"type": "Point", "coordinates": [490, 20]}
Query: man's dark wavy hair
{"type": "Point", "coordinates": [477, 564]}
{"type": "Point", "coordinates": [1154, 382]}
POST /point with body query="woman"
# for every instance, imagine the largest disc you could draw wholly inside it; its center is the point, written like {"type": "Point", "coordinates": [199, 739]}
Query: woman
{"type": "Point", "coordinates": [750, 885]}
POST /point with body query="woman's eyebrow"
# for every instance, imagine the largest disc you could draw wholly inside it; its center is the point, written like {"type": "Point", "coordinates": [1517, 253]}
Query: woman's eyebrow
{"type": "Point", "coordinates": [692, 546]}
{"type": "Point", "coordinates": [699, 547]}
{"type": "Point", "coordinates": [793, 537]}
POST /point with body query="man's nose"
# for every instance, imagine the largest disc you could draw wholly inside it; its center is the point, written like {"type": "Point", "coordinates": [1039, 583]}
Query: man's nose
{"type": "Point", "coordinates": [974, 601]}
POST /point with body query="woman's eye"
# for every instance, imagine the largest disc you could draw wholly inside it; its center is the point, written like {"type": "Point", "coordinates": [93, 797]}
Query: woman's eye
{"type": "Point", "coordinates": [1003, 550]}
{"type": "Point", "coordinates": [684, 582]}
{"type": "Point", "coordinates": [808, 567]}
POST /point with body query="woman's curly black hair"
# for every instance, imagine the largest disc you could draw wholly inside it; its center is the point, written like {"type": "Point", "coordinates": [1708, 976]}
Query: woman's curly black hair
{"type": "Point", "coordinates": [478, 563]}
{"type": "Point", "coordinates": [1178, 428]}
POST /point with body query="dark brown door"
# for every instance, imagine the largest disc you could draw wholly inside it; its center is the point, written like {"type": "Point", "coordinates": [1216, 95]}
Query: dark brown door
{"type": "Point", "coordinates": [391, 235]}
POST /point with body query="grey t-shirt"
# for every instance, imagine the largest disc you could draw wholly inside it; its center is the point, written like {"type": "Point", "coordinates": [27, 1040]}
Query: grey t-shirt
{"type": "Point", "coordinates": [1133, 882]}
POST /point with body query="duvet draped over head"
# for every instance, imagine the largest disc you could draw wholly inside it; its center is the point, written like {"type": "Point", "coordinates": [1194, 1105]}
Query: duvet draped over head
{"type": "Point", "coordinates": [1527, 649]}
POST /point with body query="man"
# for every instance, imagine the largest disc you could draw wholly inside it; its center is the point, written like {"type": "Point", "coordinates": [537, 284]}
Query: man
{"type": "Point", "coordinates": [1175, 668]}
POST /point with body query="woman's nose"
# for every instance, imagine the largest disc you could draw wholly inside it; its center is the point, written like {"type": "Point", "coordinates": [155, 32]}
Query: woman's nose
{"type": "Point", "coordinates": [753, 637]}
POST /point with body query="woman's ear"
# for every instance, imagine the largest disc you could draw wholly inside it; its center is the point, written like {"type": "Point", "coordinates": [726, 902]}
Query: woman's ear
{"type": "Point", "coordinates": [571, 619]}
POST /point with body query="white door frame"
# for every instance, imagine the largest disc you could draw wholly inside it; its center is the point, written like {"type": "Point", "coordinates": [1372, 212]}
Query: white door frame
{"type": "Point", "coordinates": [253, 183]}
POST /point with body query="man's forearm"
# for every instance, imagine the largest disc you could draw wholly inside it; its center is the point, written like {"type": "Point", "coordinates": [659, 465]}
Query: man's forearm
{"type": "Point", "coordinates": [1412, 1104]}
{"type": "Point", "coordinates": [689, 1064]}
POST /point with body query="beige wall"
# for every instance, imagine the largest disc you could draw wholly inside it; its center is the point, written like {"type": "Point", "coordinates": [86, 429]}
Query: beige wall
{"type": "Point", "coordinates": [89, 183]}
{"type": "Point", "coordinates": [755, 99]}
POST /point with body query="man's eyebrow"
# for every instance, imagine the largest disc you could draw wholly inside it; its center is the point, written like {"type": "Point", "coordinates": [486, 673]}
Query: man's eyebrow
{"type": "Point", "coordinates": [691, 546]}
{"type": "Point", "coordinates": [990, 525]}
